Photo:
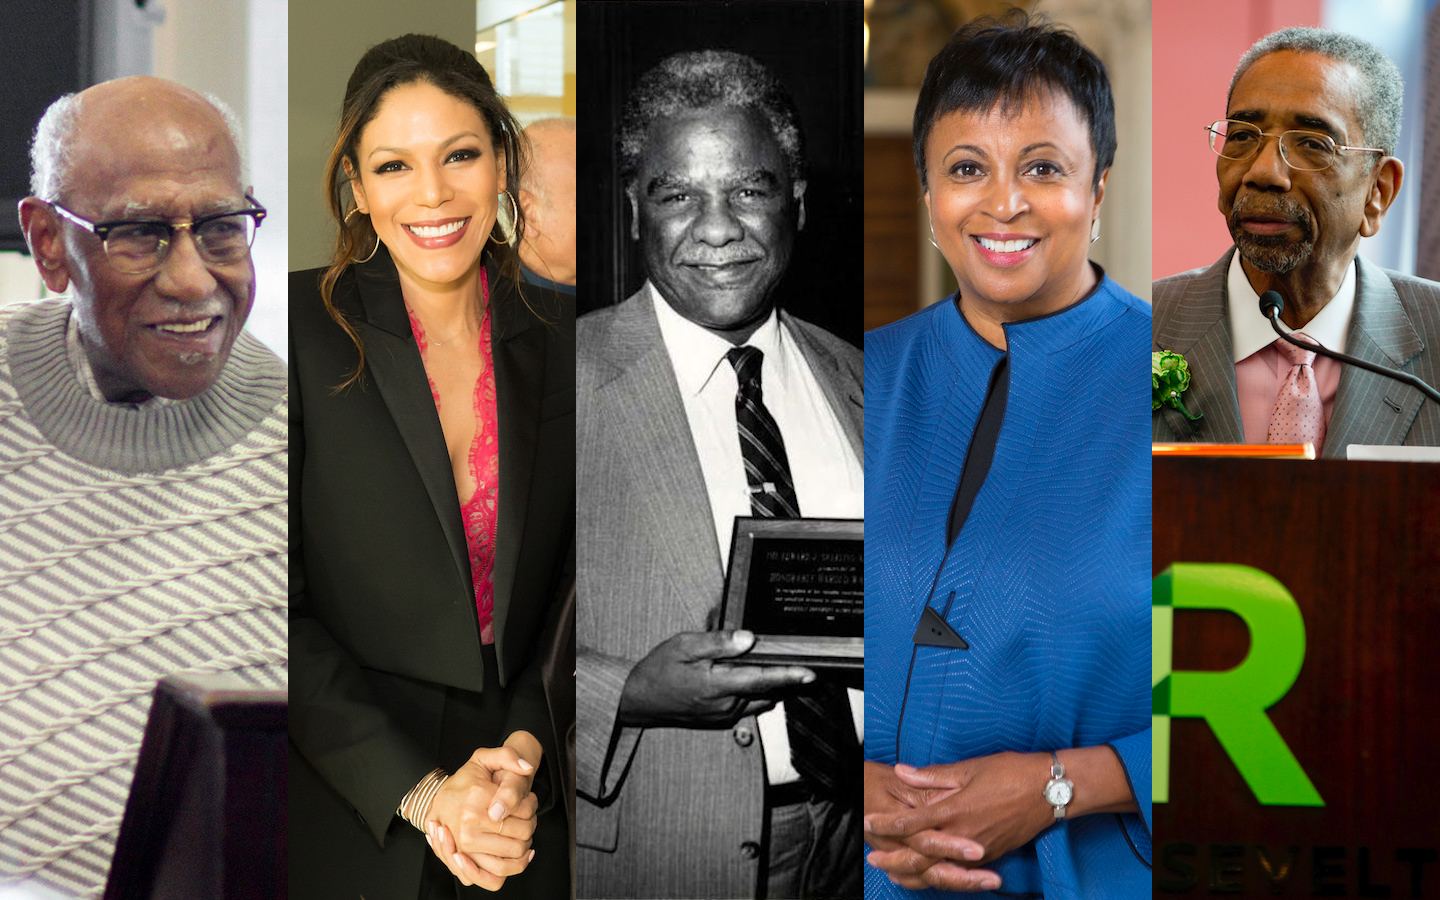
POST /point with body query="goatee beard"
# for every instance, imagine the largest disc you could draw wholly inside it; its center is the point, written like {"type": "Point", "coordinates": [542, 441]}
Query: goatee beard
{"type": "Point", "coordinates": [1277, 254]}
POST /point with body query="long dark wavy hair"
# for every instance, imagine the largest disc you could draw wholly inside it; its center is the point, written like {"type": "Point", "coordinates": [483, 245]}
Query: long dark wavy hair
{"type": "Point", "coordinates": [396, 62]}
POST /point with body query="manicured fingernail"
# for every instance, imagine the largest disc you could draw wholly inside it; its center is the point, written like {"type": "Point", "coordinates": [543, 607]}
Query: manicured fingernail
{"type": "Point", "coordinates": [525, 766]}
{"type": "Point", "coordinates": [530, 857]}
{"type": "Point", "coordinates": [990, 883]}
{"type": "Point", "coordinates": [456, 860]}
{"type": "Point", "coordinates": [903, 767]}
{"type": "Point", "coordinates": [497, 811]}
{"type": "Point", "coordinates": [430, 842]}
{"type": "Point", "coordinates": [972, 853]}
{"type": "Point", "coordinates": [869, 825]}
{"type": "Point", "coordinates": [807, 678]}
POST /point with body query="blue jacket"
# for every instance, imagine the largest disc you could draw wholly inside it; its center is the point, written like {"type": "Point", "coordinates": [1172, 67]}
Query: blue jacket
{"type": "Point", "coordinates": [1048, 580]}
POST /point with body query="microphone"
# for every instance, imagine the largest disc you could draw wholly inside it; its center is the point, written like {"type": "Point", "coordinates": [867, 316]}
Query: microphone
{"type": "Point", "coordinates": [1272, 304]}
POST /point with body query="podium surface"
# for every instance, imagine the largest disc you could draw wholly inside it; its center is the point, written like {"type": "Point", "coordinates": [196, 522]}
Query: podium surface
{"type": "Point", "coordinates": [1357, 547]}
{"type": "Point", "coordinates": [206, 817]}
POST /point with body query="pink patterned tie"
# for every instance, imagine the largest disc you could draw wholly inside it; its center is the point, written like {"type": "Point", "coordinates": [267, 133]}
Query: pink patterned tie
{"type": "Point", "coordinates": [1298, 416]}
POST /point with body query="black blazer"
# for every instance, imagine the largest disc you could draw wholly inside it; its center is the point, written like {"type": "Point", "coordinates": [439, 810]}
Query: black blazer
{"type": "Point", "coordinates": [385, 657]}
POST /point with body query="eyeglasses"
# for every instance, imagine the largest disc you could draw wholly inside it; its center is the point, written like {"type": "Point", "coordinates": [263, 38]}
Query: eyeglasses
{"type": "Point", "coordinates": [1308, 151]}
{"type": "Point", "coordinates": [137, 246]}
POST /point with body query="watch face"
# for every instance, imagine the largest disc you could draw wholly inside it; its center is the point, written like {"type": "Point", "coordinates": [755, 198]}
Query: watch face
{"type": "Point", "coordinates": [1058, 793]}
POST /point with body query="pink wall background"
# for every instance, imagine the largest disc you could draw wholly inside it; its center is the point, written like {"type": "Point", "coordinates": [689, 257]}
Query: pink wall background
{"type": "Point", "coordinates": [1196, 48]}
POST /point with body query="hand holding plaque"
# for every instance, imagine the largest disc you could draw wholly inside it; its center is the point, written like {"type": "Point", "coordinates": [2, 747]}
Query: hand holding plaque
{"type": "Point", "coordinates": [690, 681]}
{"type": "Point", "coordinates": [799, 585]}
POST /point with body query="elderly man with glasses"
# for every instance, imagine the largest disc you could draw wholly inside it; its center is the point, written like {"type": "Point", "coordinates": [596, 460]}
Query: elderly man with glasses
{"type": "Point", "coordinates": [1305, 164]}
{"type": "Point", "coordinates": [142, 462]}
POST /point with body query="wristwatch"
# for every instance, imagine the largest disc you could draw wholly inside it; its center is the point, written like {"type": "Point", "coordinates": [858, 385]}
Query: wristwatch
{"type": "Point", "coordinates": [1059, 790]}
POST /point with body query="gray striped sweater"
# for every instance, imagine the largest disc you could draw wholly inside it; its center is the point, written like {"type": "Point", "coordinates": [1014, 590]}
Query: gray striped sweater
{"type": "Point", "coordinates": [135, 542]}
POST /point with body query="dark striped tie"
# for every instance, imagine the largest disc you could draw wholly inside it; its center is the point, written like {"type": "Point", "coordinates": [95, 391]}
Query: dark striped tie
{"type": "Point", "coordinates": [767, 469]}
{"type": "Point", "coordinates": [823, 746]}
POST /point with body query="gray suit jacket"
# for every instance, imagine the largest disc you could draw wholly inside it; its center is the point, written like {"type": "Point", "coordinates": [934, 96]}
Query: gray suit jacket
{"type": "Point", "coordinates": [662, 812]}
{"type": "Point", "coordinates": [1397, 318]}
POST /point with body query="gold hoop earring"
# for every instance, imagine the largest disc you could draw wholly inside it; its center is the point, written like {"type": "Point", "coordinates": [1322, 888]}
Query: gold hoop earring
{"type": "Point", "coordinates": [505, 219]}
{"type": "Point", "coordinates": [1095, 230]}
{"type": "Point", "coordinates": [373, 251]}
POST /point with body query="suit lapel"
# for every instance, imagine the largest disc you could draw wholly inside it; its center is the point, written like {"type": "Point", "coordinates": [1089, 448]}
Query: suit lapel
{"type": "Point", "coordinates": [843, 390]}
{"type": "Point", "coordinates": [642, 400]}
{"type": "Point", "coordinates": [393, 362]}
{"type": "Point", "coordinates": [1370, 408]}
{"type": "Point", "coordinates": [1198, 328]}
{"type": "Point", "coordinates": [518, 352]}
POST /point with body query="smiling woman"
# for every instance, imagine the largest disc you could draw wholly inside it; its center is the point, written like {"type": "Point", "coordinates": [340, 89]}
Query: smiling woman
{"type": "Point", "coordinates": [432, 471]}
{"type": "Point", "coordinates": [1007, 554]}
{"type": "Point", "coordinates": [1015, 192]}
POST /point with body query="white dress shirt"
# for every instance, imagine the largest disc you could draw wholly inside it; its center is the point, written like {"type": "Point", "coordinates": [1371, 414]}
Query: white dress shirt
{"type": "Point", "coordinates": [1250, 331]}
{"type": "Point", "coordinates": [829, 479]}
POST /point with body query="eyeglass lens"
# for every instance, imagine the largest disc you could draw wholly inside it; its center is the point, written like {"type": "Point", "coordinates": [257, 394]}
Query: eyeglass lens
{"type": "Point", "coordinates": [1301, 149]}
{"type": "Point", "coordinates": [138, 246]}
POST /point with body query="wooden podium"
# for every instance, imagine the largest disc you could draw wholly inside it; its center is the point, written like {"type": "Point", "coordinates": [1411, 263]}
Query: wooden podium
{"type": "Point", "coordinates": [1357, 544]}
{"type": "Point", "coordinates": [206, 814]}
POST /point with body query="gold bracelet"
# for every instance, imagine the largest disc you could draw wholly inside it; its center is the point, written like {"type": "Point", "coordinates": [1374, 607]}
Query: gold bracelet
{"type": "Point", "coordinates": [417, 803]}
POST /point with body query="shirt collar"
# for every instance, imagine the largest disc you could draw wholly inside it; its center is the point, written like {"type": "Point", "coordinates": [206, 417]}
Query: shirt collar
{"type": "Point", "coordinates": [1250, 331]}
{"type": "Point", "coordinates": [696, 352]}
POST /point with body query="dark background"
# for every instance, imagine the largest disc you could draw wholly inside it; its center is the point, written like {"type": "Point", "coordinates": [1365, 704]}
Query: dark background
{"type": "Point", "coordinates": [814, 48]}
{"type": "Point", "coordinates": [44, 49]}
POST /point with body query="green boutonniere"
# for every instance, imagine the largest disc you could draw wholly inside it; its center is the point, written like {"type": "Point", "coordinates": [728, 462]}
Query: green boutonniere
{"type": "Point", "coordinates": [1170, 378]}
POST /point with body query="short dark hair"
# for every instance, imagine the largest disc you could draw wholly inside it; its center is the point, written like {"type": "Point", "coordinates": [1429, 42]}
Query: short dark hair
{"type": "Point", "coordinates": [1004, 62]}
{"type": "Point", "coordinates": [709, 79]}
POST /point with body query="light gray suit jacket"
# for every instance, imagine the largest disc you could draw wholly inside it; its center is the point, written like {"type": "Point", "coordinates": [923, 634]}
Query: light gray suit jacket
{"type": "Point", "coordinates": [1396, 320]}
{"type": "Point", "coordinates": [662, 812]}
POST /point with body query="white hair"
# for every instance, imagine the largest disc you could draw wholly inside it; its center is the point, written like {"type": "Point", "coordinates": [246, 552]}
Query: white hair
{"type": "Point", "coordinates": [1381, 89]}
{"type": "Point", "coordinates": [52, 149]}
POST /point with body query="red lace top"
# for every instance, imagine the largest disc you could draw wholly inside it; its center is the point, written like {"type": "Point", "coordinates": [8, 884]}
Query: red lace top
{"type": "Point", "coordinates": [481, 511]}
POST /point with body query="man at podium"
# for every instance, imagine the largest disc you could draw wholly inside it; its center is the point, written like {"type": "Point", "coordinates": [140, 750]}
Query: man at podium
{"type": "Point", "coordinates": [142, 462]}
{"type": "Point", "coordinates": [1305, 163]}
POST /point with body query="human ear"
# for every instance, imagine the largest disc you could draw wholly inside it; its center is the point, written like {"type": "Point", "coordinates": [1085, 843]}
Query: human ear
{"type": "Point", "coordinates": [356, 187]}
{"type": "Point", "coordinates": [46, 242]}
{"type": "Point", "coordinates": [634, 213]}
{"type": "Point", "coordinates": [534, 215]}
{"type": "Point", "coordinates": [1388, 175]}
{"type": "Point", "coordinates": [798, 192]}
{"type": "Point", "coordinates": [1100, 189]}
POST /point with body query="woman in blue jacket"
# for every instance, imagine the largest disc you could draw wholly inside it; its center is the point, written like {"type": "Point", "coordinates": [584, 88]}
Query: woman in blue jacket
{"type": "Point", "coordinates": [1007, 614]}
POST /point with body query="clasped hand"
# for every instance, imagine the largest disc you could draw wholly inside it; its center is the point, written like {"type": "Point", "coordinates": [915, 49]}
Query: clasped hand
{"type": "Point", "coordinates": [688, 681]}
{"type": "Point", "coordinates": [481, 822]}
{"type": "Point", "coordinates": [935, 827]}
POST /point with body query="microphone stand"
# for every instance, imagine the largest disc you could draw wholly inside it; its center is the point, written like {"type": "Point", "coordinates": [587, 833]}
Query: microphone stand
{"type": "Point", "coordinates": [1271, 303]}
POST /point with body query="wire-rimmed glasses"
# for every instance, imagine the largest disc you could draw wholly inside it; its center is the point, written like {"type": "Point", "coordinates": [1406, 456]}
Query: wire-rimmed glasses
{"type": "Point", "coordinates": [137, 246]}
{"type": "Point", "coordinates": [1308, 151]}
